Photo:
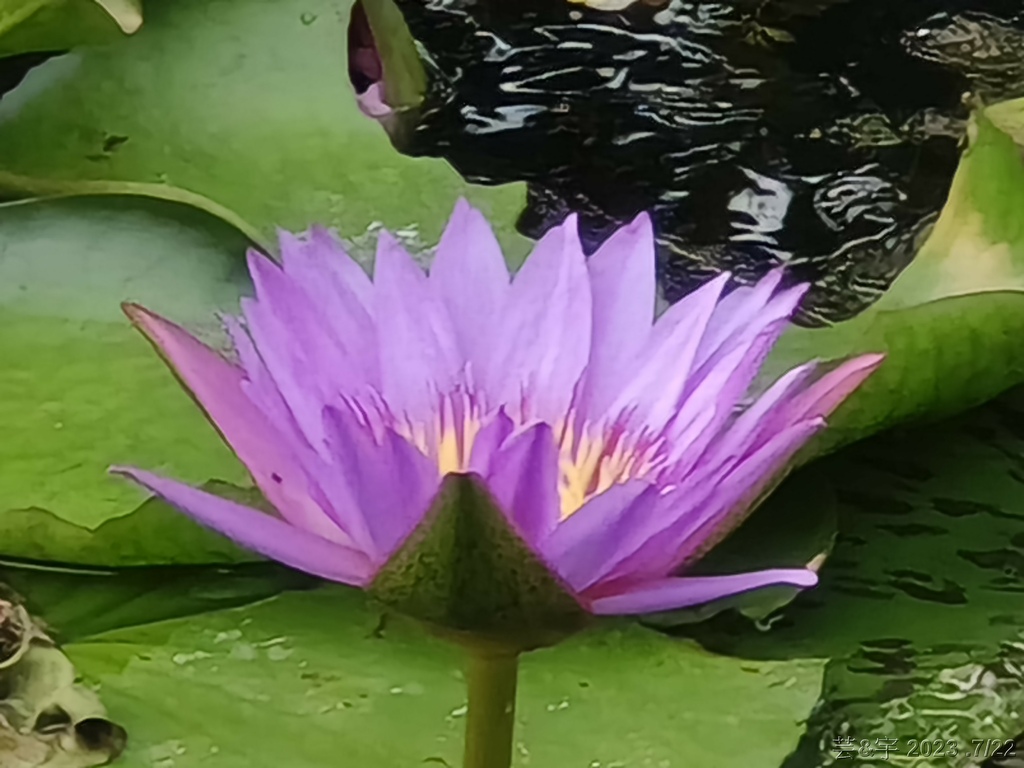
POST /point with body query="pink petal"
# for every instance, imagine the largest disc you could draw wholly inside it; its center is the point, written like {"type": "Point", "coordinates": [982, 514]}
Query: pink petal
{"type": "Point", "coordinates": [674, 593]}
{"type": "Point", "coordinates": [785, 403]}
{"type": "Point", "coordinates": [831, 390]}
{"type": "Point", "coordinates": [260, 532]}
{"type": "Point", "coordinates": [372, 103]}
{"type": "Point", "coordinates": [472, 280]}
{"type": "Point", "coordinates": [544, 343]}
{"type": "Point", "coordinates": [622, 283]}
{"type": "Point", "coordinates": [218, 388]}
{"type": "Point", "coordinates": [524, 480]}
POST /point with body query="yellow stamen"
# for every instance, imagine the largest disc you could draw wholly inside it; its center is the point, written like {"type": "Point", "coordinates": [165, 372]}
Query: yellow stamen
{"type": "Point", "coordinates": [450, 442]}
{"type": "Point", "coordinates": [455, 444]}
{"type": "Point", "coordinates": [594, 465]}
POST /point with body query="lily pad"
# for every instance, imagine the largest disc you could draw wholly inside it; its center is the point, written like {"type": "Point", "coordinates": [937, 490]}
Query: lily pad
{"type": "Point", "coordinates": [78, 389]}
{"type": "Point", "coordinates": [152, 534]}
{"type": "Point", "coordinates": [54, 25]}
{"type": "Point", "coordinates": [308, 674]}
{"type": "Point", "coordinates": [951, 323]}
{"type": "Point", "coordinates": [245, 103]}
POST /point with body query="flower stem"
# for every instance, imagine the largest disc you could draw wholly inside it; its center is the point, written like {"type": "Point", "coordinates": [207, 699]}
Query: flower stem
{"type": "Point", "coordinates": [490, 720]}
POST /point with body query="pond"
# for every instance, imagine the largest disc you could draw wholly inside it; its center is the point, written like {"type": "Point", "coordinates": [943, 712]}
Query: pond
{"type": "Point", "coordinates": [868, 148]}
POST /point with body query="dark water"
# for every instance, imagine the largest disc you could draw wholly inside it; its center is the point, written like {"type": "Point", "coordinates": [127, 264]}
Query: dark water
{"type": "Point", "coordinates": [820, 134]}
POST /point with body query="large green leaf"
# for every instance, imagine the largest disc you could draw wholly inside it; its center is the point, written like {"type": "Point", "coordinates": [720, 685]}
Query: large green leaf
{"type": "Point", "coordinates": [80, 390]}
{"type": "Point", "coordinates": [951, 324]}
{"type": "Point", "coordinates": [919, 609]}
{"type": "Point", "coordinates": [54, 25]}
{"type": "Point", "coordinates": [306, 677]}
{"type": "Point", "coordinates": [246, 103]}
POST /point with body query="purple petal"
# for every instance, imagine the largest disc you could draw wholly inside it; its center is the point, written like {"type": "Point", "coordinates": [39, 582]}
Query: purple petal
{"type": "Point", "coordinates": [831, 390]}
{"type": "Point", "coordinates": [318, 261]}
{"type": "Point", "coordinates": [218, 386]}
{"type": "Point", "coordinates": [718, 388]}
{"type": "Point", "coordinates": [738, 308]}
{"type": "Point", "coordinates": [736, 493]}
{"type": "Point", "coordinates": [738, 469]}
{"type": "Point", "coordinates": [772, 318]}
{"type": "Point", "coordinates": [582, 546]}
{"type": "Point", "coordinates": [417, 346]}
{"type": "Point", "coordinates": [662, 371]}
{"type": "Point", "coordinates": [472, 280]}
{"type": "Point", "coordinates": [326, 487]}
{"type": "Point", "coordinates": [622, 283]}
{"type": "Point", "coordinates": [674, 593]}
{"type": "Point", "coordinates": [729, 358]}
{"type": "Point", "coordinates": [491, 437]}
{"type": "Point", "coordinates": [544, 341]}
{"type": "Point", "coordinates": [524, 480]}
{"type": "Point", "coordinates": [699, 512]}
{"type": "Point", "coordinates": [759, 413]}
{"type": "Point", "coordinates": [311, 358]}
{"type": "Point", "coordinates": [785, 403]}
{"type": "Point", "coordinates": [259, 385]}
{"type": "Point", "coordinates": [260, 532]}
{"type": "Point", "coordinates": [390, 480]}
{"type": "Point", "coordinates": [340, 290]}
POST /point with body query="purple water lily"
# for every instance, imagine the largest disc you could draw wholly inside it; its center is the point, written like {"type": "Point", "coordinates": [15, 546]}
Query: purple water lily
{"type": "Point", "coordinates": [614, 443]}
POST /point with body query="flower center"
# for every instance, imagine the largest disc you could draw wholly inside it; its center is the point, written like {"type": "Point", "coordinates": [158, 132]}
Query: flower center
{"type": "Point", "coordinates": [590, 460]}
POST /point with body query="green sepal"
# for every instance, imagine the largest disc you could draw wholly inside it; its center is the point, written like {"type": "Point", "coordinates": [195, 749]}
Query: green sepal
{"type": "Point", "coordinates": [467, 574]}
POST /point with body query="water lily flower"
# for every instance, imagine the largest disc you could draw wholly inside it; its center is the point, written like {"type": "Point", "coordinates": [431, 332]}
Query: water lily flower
{"type": "Point", "coordinates": [614, 445]}
{"type": "Point", "coordinates": [499, 457]}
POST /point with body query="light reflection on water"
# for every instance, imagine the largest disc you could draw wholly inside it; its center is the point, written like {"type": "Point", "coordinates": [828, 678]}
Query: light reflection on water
{"type": "Point", "coordinates": [818, 134]}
